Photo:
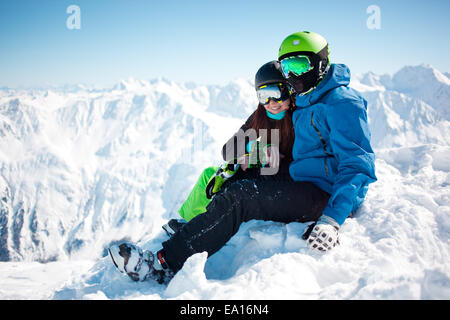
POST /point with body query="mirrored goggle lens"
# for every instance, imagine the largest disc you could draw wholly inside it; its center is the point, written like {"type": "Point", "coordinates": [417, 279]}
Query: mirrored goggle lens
{"type": "Point", "coordinates": [276, 92]}
{"type": "Point", "coordinates": [298, 65]}
{"type": "Point", "coordinates": [265, 93]}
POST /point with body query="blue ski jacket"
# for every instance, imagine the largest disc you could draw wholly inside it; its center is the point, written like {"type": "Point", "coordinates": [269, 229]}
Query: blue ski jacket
{"type": "Point", "coordinates": [332, 143]}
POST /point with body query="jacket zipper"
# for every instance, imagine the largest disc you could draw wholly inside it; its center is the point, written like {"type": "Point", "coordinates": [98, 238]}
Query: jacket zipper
{"type": "Point", "coordinates": [324, 144]}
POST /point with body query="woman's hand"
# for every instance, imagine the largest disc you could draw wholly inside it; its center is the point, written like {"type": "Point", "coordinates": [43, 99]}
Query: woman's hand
{"type": "Point", "coordinates": [272, 156]}
{"type": "Point", "coordinates": [244, 162]}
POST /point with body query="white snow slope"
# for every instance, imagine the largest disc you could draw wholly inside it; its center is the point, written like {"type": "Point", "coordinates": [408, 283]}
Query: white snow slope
{"type": "Point", "coordinates": [82, 168]}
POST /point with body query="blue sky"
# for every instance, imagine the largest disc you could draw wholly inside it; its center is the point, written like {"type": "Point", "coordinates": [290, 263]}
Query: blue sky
{"type": "Point", "coordinates": [207, 41]}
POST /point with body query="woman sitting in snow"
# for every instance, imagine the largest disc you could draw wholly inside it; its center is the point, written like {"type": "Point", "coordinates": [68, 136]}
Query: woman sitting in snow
{"type": "Point", "coordinates": [262, 148]}
{"type": "Point", "coordinates": [331, 168]}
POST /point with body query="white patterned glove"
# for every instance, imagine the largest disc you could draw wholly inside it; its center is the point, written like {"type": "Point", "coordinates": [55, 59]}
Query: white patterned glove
{"type": "Point", "coordinates": [324, 235]}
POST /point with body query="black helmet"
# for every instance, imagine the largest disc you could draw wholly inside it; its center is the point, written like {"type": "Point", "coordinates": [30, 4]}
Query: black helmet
{"type": "Point", "coordinates": [269, 73]}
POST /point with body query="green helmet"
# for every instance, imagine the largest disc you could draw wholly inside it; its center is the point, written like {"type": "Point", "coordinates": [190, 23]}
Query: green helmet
{"type": "Point", "coordinates": [304, 41]}
{"type": "Point", "coordinates": [313, 46]}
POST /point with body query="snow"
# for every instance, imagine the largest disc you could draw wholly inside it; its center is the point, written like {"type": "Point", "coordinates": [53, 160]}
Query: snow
{"type": "Point", "coordinates": [82, 168]}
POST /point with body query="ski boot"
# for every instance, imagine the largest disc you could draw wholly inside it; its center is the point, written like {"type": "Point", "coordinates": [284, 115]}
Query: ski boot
{"type": "Point", "coordinates": [140, 264]}
{"type": "Point", "coordinates": [173, 226]}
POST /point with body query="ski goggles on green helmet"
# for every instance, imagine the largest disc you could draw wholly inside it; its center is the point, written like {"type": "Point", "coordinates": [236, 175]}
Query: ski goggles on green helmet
{"type": "Point", "coordinates": [298, 65]}
{"type": "Point", "coordinates": [277, 92]}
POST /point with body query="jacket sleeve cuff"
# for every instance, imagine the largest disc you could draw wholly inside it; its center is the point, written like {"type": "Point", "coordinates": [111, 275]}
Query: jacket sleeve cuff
{"type": "Point", "coordinates": [324, 219]}
{"type": "Point", "coordinates": [334, 214]}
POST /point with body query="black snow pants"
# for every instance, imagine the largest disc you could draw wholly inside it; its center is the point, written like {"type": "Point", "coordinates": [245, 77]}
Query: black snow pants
{"type": "Point", "coordinates": [275, 198]}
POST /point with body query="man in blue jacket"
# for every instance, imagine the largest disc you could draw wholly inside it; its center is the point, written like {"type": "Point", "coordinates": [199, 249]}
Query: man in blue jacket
{"type": "Point", "coordinates": [332, 138]}
{"type": "Point", "coordinates": [333, 164]}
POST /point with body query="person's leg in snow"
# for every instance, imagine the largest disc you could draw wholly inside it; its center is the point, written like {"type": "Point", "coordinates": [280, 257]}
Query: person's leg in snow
{"type": "Point", "coordinates": [244, 200]}
{"type": "Point", "coordinates": [270, 199]}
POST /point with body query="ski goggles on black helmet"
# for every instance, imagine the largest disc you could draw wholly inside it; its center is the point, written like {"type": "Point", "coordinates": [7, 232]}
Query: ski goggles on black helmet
{"type": "Point", "coordinates": [297, 65]}
{"type": "Point", "coordinates": [277, 92]}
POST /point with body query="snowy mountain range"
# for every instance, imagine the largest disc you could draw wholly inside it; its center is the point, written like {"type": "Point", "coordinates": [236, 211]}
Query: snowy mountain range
{"type": "Point", "coordinates": [83, 167]}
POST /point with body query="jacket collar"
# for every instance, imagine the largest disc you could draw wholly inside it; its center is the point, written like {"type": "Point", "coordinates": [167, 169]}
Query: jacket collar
{"type": "Point", "coordinates": [338, 75]}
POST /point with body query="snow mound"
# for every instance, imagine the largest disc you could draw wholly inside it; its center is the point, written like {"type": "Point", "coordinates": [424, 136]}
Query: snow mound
{"type": "Point", "coordinates": [396, 247]}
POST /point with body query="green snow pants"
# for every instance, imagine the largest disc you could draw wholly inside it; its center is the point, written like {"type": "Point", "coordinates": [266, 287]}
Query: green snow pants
{"type": "Point", "coordinates": [197, 201]}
